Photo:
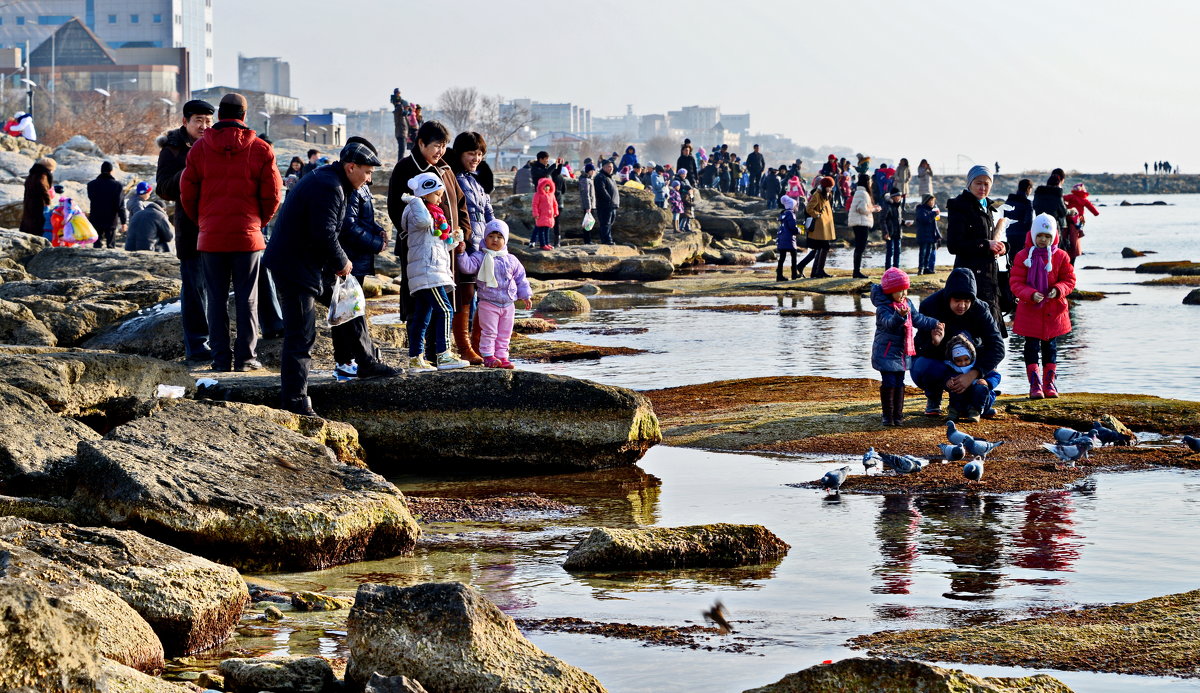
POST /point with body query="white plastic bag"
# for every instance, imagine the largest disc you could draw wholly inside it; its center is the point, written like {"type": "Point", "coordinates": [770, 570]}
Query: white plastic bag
{"type": "Point", "coordinates": [348, 301]}
{"type": "Point", "coordinates": [588, 221]}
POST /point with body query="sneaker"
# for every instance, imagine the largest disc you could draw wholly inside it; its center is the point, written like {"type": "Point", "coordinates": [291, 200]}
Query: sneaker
{"type": "Point", "coordinates": [990, 413]}
{"type": "Point", "coordinates": [345, 371]}
{"type": "Point", "coordinates": [376, 369]}
{"type": "Point", "coordinates": [447, 361]}
{"type": "Point", "coordinates": [933, 407]}
{"type": "Point", "coordinates": [492, 362]}
{"type": "Point", "coordinates": [547, 247]}
{"type": "Point", "coordinates": [506, 364]}
{"type": "Point", "coordinates": [418, 364]}
{"type": "Point", "coordinates": [247, 366]}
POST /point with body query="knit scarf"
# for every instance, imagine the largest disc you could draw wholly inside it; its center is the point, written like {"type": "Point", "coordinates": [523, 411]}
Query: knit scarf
{"type": "Point", "coordinates": [487, 272]}
{"type": "Point", "coordinates": [1035, 260]}
{"type": "Point", "coordinates": [910, 346]}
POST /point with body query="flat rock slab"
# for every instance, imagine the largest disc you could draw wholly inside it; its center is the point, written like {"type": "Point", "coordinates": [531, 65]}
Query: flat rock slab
{"type": "Point", "coordinates": [291, 674]}
{"type": "Point", "coordinates": [38, 445]}
{"type": "Point", "coordinates": [715, 545]}
{"type": "Point", "coordinates": [108, 265]}
{"type": "Point", "coordinates": [475, 418]}
{"type": "Point", "coordinates": [76, 381]}
{"type": "Point", "coordinates": [449, 637]}
{"type": "Point", "coordinates": [902, 676]}
{"type": "Point", "coordinates": [1155, 637]}
{"type": "Point", "coordinates": [237, 488]}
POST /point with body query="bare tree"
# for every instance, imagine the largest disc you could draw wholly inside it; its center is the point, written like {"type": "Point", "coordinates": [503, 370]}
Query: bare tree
{"type": "Point", "coordinates": [459, 106]}
{"type": "Point", "coordinates": [500, 122]}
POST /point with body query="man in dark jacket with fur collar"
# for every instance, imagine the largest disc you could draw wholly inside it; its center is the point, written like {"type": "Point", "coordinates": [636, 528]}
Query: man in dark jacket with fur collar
{"type": "Point", "coordinates": [172, 158]}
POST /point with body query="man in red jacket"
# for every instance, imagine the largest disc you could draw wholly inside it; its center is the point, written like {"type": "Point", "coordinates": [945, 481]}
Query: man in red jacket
{"type": "Point", "coordinates": [232, 188]}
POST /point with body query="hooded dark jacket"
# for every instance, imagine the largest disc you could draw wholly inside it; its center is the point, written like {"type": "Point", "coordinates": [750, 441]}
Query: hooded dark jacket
{"type": "Point", "coordinates": [304, 245]}
{"type": "Point", "coordinates": [977, 322]}
{"type": "Point", "coordinates": [361, 236]}
{"type": "Point", "coordinates": [104, 194]}
{"type": "Point", "coordinates": [770, 187]}
{"type": "Point", "coordinates": [172, 158]}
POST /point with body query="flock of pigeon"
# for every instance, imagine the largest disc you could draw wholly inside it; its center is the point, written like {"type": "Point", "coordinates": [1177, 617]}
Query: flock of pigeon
{"type": "Point", "coordinates": [1069, 447]}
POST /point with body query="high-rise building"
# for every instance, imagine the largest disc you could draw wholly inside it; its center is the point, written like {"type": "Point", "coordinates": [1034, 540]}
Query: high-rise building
{"type": "Point", "coordinates": [120, 24]}
{"type": "Point", "coordinates": [272, 75]}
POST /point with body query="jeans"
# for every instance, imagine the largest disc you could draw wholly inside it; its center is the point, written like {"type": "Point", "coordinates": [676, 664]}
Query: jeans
{"type": "Point", "coordinates": [352, 339]}
{"type": "Point", "coordinates": [892, 378]}
{"type": "Point", "coordinates": [605, 218]}
{"type": "Point", "coordinates": [1047, 347]}
{"type": "Point", "coordinates": [298, 307]}
{"type": "Point", "coordinates": [495, 328]}
{"type": "Point", "coordinates": [270, 315]}
{"type": "Point", "coordinates": [541, 236]}
{"type": "Point", "coordinates": [429, 305]}
{"type": "Point", "coordinates": [927, 257]}
{"type": "Point", "coordinates": [191, 306]}
{"type": "Point", "coordinates": [931, 375]}
{"type": "Point", "coordinates": [892, 258]}
{"type": "Point", "coordinates": [240, 270]}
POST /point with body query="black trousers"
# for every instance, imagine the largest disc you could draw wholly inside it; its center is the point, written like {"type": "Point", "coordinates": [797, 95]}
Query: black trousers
{"type": "Point", "coordinates": [352, 339]}
{"type": "Point", "coordinates": [107, 237]}
{"type": "Point", "coordinates": [191, 305]}
{"type": "Point", "coordinates": [221, 270]}
{"type": "Point", "coordinates": [299, 334]}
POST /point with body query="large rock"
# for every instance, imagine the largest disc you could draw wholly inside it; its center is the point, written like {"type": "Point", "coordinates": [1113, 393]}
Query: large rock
{"type": "Point", "coordinates": [18, 325]}
{"type": "Point", "coordinates": [645, 268]}
{"type": "Point", "coordinates": [639, 221]}
{"type": "Point", "coordinates": [572, 260]}
{"type": "Point", "coordinates": [277, 674]}
{"type": "Point", "coordinates": [122, 679]}
{"type": "Point", "coordinates": [456, 420]}
{"type": "Point", "coordinates": [45, 647]}
{"type": "Point", "coordinates": [76, 382]}
{"type": "Point", "coordinates": [73, 309]}
{"type": "Point", "coordinates": [190, 602]}
{"type": "Point", "coordinates": [681, 248]}
{"type": "Point", "coordinates": [240, 489]}
{"type": "Point", "coordinates": [20, 246]}
{"type": "Point", "coordinates": [716, 545]}
{"type": "Point", "coordinates": [110, 266]}
{"type": "Point", "coordinates": [1193, 298]}
{"type": "Point", "coordinates": [82, 163]}
{"type": "Point", "coordinates": [564, 301]}
{"type": "Point", "coordinates": [449, 637]}
{"type": "Point", "coordinates": [38, 446]}
{"type": "Point", "coordinates": [903, 676]}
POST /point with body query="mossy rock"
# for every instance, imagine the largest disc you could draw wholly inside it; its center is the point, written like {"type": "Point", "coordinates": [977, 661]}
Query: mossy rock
{"type": "Point", "coordinates": [1173, 281]}
{"type": "Point", "coordinates": [1174, 267]}
{"type": "Point", "coordinates": [1081, 295]}
{"type": "Point", "coordinates": [1139, 412]}
{"type": "Point", "coordinates": [315, 601]}
{"type": "Point", "coordinates": [1192, 299]}
{"type": "Point", "coordinates": [902, 676]}
{"type": "Point", "coordinates": [564, 301]}
{"type": "Point", "coordinates": [715, 545]}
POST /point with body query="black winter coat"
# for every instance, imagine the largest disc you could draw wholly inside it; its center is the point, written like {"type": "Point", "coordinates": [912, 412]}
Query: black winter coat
{"type": "Point", "coordinates": [608, 196]}
{"type": "Point", "coordinates": [1021, 215]}
{"type": "Point", "coordinates": [104, 193]}
{"type": "Point", "coordinates": [968, 238]}
{"type": "Point", "coordinates": [688, 162]}
{"type": "Point", "coordinates": [978, 322]}
{"type": "Point", "coordinates": [149, 230]}
{"type": "Point", "coordinates": [38, 185]}
{"type": "Point", "coordinates": [304, 245]}
{"type": "Point", "coordinates": [755, 164]}
{"type": "Point", "coordinates": [1048, 199]}
{"type": "Point", "coordinates": [770, 186]}
{"type": "Point", "coordinates": [172, 158]}
{"type": "Point", "coordinates": [361, 236]}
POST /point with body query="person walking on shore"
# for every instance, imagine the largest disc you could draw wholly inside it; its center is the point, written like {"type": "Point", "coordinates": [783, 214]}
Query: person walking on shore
{"type": "Point", "coordinates": [608, 201]}
{"type": "Point", "coordinates": [108, 214]}
{"type": "Point", "coordinates": [172, 158]}
{"type": "Point", "coordinates": [232, 187]}
{"type": "Point", "coordinates": [400, 113]}
{"type": "Point", "coordinates": [970, 238]}
{"type": "Point", "coordinates": [861, 220]}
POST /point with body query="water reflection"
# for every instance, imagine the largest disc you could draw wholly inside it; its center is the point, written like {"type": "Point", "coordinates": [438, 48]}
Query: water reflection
{"type": "Point", "coordinates": [1047, 540]}
{"type": "Point", "coordinates": [897, 527]}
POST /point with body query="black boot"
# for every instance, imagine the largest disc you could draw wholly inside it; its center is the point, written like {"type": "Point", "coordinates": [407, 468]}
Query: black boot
{"type": "Point", "coordinates": [887, 399]}
{"type": "Point", "coordinates": [779, 267]}
{"type": "Point", "coordinates": [301, 406]}
{"type": "Point", "coordinates": [898, 406]}
{"type": "Point", "coordinates": [858, 256]}
{"type": "Point", "coordinates": [819, 263]}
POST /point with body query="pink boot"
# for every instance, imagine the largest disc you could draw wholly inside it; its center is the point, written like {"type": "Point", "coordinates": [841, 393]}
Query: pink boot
{"type": "Point", "coordinates": [1051, 374]}
{"type": "Point", "coordinates": [1035, 381]}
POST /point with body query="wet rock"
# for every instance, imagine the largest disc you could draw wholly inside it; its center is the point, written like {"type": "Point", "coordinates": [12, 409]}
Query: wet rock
{"type": "Point", "coordinates": [339, 437]}
{"type": "Point", "coordinates": [74, 382]}
{"type": "Point", "coordinates": [645, 268]}
{"type": "Point", "coordinates": [588, 290]}
{"type": "Point", "coordinates": [211, 679]}
{"type": "Point", "coordinates": [20, 246]}
{"type": "Point", "coordinates": [533, 326]}
{"type": "Point", "coordinates": [191, 603]}
{"type": "Point", "coordinates": [393, 684]}
{"type": "Point", "coordinates": [611, 548]}
{"type": "Point", "coordinates": [902, 676]}
{"type": "Point", "coordinates": [451, 420]}
{"type": "Point", "coordinates": [272, 614]}
{"type": "Point", "coordinates": [449, 637]}
{"type": "Point", "coordinates": [123, 679]}
{"type": "Point", "coordinates": [1177, 268]}
{"type": "Point", "coordinates": [109, 265]}
{"type": "Point", "coordinates": [240, 489]}
{"type": "Point", "coordinates": [315, 601]}
{"type": "Point", "coordinates": [715, 256]}
{"type": "Point", "coordinates": [1192, 299]}
{"type": "Point", "coordinates": [564, 301]}
{"type": "Point", "coordinates": [38, 446]}
{"type": "Point", "coordinates": [1130, 252]}
{"type": "Point", "coordinates": [558, 350]}
{"type": "Point", "coordinates": [1140, 412]}
{"type": "Point", "coordinates": [681, 248]}
{"type": "Point", "coordinates": [278, 674]}
{"type": "Point", "coordinates": [45, 647]}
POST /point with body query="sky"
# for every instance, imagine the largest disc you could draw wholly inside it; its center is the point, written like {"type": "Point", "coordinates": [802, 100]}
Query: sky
{"type": "Point", "coordinates": [1091, 86]}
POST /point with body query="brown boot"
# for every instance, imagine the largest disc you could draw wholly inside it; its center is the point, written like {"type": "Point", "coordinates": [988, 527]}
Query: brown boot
{"type": "Point", "coordinates": [475, 332]}
{"type": "Point", "coordinates": [462, 340]}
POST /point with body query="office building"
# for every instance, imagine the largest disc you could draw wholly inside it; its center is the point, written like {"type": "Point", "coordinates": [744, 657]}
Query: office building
{"type": "Point", "coordinates": [271, 75]}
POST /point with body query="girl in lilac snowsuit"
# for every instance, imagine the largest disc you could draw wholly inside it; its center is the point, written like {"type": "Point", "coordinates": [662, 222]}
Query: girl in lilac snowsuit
{"type": "Point", "coordinates": [500, 281]}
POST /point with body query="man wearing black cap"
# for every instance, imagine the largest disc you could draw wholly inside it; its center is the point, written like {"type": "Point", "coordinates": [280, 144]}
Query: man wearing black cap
{"type": "Point", "coordinates": [172, 157]}
{"type": "Point", "coordinates": [304, 249]}
{"type": "Point", "coordinates": [104, 194]}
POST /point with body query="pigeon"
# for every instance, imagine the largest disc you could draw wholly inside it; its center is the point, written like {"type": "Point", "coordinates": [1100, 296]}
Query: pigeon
{"type": "Point", "coordinates": [834, 478]}
{"type": "Point", "coordinates": [980, 448]}
{"type": "Point", "coordinates": [903, 464]}
{"type": "Point", "coordinates": [1067, 435]}
{"type": "Point", "coordinates": [973, 470]}
{"type": "Point", "coordinates": [870, 460]}
{"type": "Point", "coordinates": [1192, 443]}
{"type": "Point", "coordinates": [1069, 453]}
{"type": "Point", "coordinates": [952, 453]}
{"type": "Point", "coordinates": [954, 435]}
{"type": "Point", "coordinates": [1108, 436]}
{"type": "Point", "coordinates": [717, 615]}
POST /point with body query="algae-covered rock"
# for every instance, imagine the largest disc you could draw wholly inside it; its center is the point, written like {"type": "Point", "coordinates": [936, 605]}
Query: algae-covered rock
{"type": "Point", "coordinates": [1139, 412]}
{"type": "Point", "coordinates": [903, 676]}
{"type": "Point", "coordinates": [1128, 252]}
{"type": "Point", "coordinates": [715, 545]}
{"type": "Point", "coordinates": [449, 637]}
{"type": "Point", "coordinates": [281, 674]}
{"type": "Point", "coordinates": [1172, 267]}
{"type": "Point", "coordinates": [45, 647]}
{"type": "Point", "coordinates": [240, 489]}
{"type": "Point", "coordinates": [315, 601]}
{"type": "Point", "coordinates": [564, 301]}
{"type": "Point", "coordinates": [123, 679]}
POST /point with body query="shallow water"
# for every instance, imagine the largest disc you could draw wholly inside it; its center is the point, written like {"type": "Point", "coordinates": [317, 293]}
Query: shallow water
{"type": "Point", "coordinates": [1140, 342]}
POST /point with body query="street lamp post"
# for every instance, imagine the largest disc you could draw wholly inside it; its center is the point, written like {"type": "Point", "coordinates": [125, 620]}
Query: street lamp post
{"type": "Point", "coordinates": [105, 93]}
{"type": "Point", "coordinates": [267, 117]}
{"type": "Point", "coordinates": [168, 107]}
{"type": "Point", "coordinates": [30, 84]}
{"type": "Point", "coordinates": [305, 127]}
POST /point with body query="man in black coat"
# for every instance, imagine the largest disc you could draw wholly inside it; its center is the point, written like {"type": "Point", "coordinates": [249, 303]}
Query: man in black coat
{"type": "Point", "coordinates": [108, 211]}
{"type": "Point", "coordinates": [770, 189]}
{"type": "Point", "coordinates": [755, 164]}
{"type": "Point", "coordinates": [608, 201]}
{"type": "Point", "coordinates": [959, 309]}
{"type": "Point", "coordinates": [172, 158]}
{"type": "Point", "coordinates": [970, 238]}
{"type": "Point", "coordinates": [1020, 218]}
{"type": "Point", "coordinates": [304, 248]}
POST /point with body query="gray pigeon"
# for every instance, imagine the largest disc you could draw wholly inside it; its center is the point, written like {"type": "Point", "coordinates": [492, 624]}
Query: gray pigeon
{"type": "Point", "coordinates": [954, 435]}
{"type": "Point", "coordinates": [1069, 453]}
{"type": "Point", "coordinates": [1192, 443]}
{"type": "Point", "coordinates": [1108, 436]}
{"type": "Point", "coordinates": [1069, 436]}
{"type": "Point", "coordinates": [952, 453]}
{"type": "Point", "coordinates": [980, 448]}
{"type": "Point", "coordinates": [870, 460]}
{"type": "Point", "coordinates": [973, 470]}
{"type": "Point", "coordinates": [903, 464]}
{"type": "Point", "coordinates": [834, 478]}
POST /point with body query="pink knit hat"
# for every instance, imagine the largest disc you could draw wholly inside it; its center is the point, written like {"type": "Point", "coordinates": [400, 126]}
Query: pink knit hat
{"type": "Point", "coordinates": [894, 280]}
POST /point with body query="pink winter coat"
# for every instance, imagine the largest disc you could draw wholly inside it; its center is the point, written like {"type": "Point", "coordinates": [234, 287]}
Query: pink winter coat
{"type": "Point", "coordinates": [545, 206]}
{"type": "Point", "coordinates": [1050, 318]}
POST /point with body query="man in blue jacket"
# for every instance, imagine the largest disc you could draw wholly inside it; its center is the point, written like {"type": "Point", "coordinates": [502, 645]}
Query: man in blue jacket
{"type": "Point", "coordinates": [303, 249]}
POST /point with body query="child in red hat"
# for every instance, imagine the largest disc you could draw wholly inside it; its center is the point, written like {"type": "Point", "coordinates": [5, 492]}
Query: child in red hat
{"type": "Point", "coordinates": [896, 325]}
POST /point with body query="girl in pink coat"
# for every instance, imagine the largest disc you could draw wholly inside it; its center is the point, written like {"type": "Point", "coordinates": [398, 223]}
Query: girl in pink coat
{"type": "Point", "coordinates": [1041, 278]}
{"type": "Point", "coordinates": [545, 209]}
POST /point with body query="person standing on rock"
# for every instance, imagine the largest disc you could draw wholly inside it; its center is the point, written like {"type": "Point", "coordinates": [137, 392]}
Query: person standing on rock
{"type": "Point", "coordinates": [861, 218]}
{"type": "Point", "coordinates": [687, 161]}
{"type": "Point", "coordinates": [104, 194]}
{"type": "Point", "coordinates": [971, 238]}
{"type": "Point", "coordinates": [755, 165]}
{"type": "Point", "coordinates": [232, 187]}
{"type": "Point", "coordinates": [305, 249]}
{"type": "Point", "coordinates": [39, 189]}
{"type": "Point", "coordinates": [902, 180]}
{"type": "Point", "coordinates": [466, 158]}
{"type": "Point", "coordinates": [172, 157]}
{"type": "Point", "coordinates": [587, 196]}
{"type": "Point", "coordinates": [924, 178]}
{"type": "Point", "coordinates": [608, 201]}
{"type": "Point", "coordinates": [821, 234]}
{"type": "Point", "coordinates": [400, 112]}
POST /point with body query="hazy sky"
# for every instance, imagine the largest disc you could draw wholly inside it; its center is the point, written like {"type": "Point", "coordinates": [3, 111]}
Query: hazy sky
{"type": "Point", "coordinates": [1097, 85]}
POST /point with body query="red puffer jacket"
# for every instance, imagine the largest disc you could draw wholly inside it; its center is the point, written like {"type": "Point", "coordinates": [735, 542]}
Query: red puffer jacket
{"type": "Point", "coordinates": [1050, 318]}
{"type": "Point", "coordinates": [231, 187]}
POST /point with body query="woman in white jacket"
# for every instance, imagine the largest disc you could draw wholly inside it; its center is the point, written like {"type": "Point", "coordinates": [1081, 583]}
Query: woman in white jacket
{"type": "Point", "coordinates": [861, 219]}
{"type": "Point", "coordinates": [924, 179]}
